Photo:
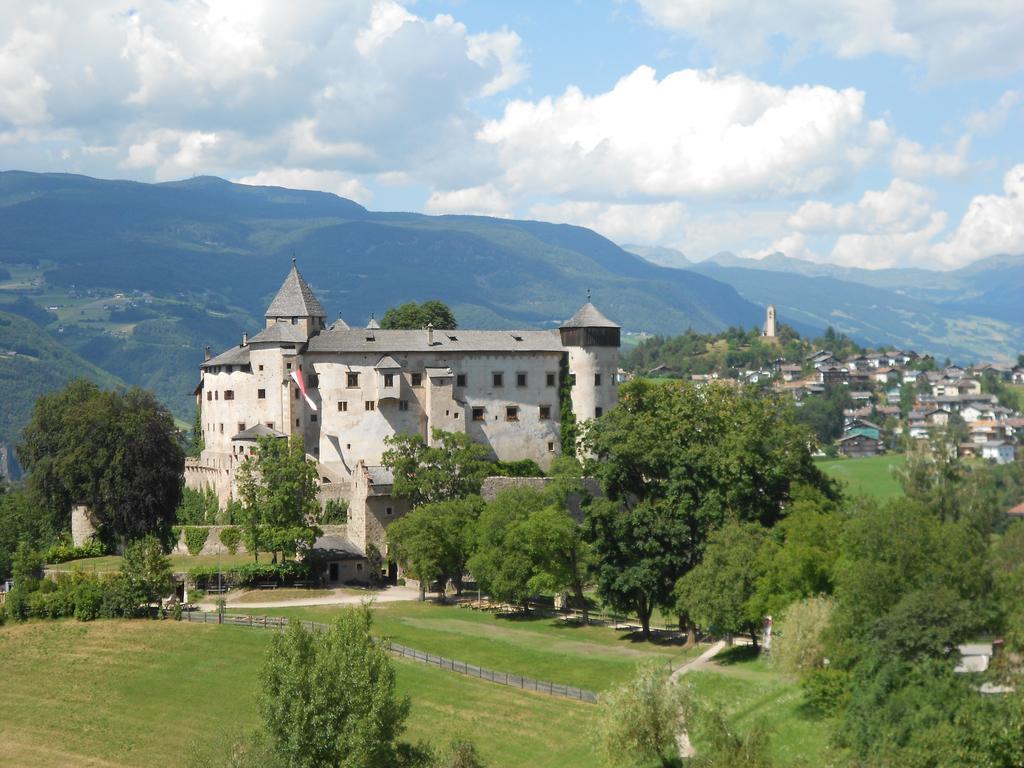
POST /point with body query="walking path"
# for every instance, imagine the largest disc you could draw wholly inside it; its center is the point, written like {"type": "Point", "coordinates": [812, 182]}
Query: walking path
{"type": "Point", "coordinates": [686, 749]}
{"type": "Point", "coordinates": [338, 597]}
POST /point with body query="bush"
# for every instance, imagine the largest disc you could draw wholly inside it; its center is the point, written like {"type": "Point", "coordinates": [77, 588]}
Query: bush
{"type": "Point", "coordinates": [195, 538]}
{"type": "Point", "coordinates": [61, 553]}
{"type": "Point", "coordinates": [251, 573]}
{"type": "Point", "coordinates": [521, 468]}
{"type": "Point", "coordinates": [335, 512]}
{"type": "Point", "coordinates": [16, 606]}
{"type": "Point", "coordinates": [230, 537]}
{"type": "Point", "coordinates": [88, 599]}
{"type": "Point", "coordinates": [799, 642]}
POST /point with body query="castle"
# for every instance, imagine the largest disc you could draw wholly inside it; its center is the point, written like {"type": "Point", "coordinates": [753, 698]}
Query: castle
{"type": "Point", "coordinates": [345, 390]}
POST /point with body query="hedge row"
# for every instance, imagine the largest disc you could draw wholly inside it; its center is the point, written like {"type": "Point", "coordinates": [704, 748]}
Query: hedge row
{"type": "Point", "coordinates": [61, 553]}
{"type": "Point", "coordinates": [252, 573]}
{"type": "Point", "coordinates": [83, 596]}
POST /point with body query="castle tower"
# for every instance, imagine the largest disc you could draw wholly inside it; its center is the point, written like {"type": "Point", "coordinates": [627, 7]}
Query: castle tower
{"type": "Point", "coordinates": [296, 305]}
{"type": "Point", "coordinates": [769, 322]}
{"type": "Point", "coordinates": [593, 344]}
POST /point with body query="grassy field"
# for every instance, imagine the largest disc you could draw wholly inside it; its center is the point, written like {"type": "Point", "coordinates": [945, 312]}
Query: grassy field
{"type": "Point", "coordinates": [548, 649]}
{"type": "Point", "coordinates": [134, 693]}
{"type": "Point", "coordinates": [871, 476]}
{"type": "Point", "coordinates": [749, 690]}
{"type": "Point", "coordinates": [112, 563]}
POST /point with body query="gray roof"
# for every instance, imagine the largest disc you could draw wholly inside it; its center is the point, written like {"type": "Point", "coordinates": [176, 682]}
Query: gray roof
{"type": "Point", "coordinates": [279, 332]}
{"type": "Point", "coordinates": [387, 363]}
{"type": "Point", "coordinates": [235, 356]}
{"type": "Point", "coordinates": [398, 341]}
{"type": "Point", "coordinates": [295, 299]}
{"type": "Point", "coordinates": [334, 547]}
{"type": "Point", "coordinates": [257, 431]}
{"type": "Point", "coordinates": [588, 316]}
{"type": "Point", "coordinates": [380, 475]}
{"type": "Point", "coordinates": [373, 324]}
{"type": "Point", "coordinates": [340, 324]}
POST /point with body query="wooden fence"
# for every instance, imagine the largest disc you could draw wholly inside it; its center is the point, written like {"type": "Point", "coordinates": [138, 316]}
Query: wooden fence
{"type": "Point", "coordinates": [451, 665]}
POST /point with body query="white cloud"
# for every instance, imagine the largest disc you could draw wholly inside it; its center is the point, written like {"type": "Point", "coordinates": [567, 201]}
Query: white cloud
{"type": "Point", "coordinates": [991, 120]}
{"type": "Point", "coordinates": [911, 160]}
{"type": "Point", "coordinates": [952, 38]}
{"type": "Point", "coordinates": [306, 178]}
{"type": "Point", "coordinates": [484, 200]}
{"type": "Point", "coordinates": [993, 224]}
{"type": "Point", "coordinates": [659, 223]}
{"type": "Point", "coordinates": [23, 89]}
{"type": "Point", "coordinates": [503, 47]}
{"type": "Point", "coordinates": [901, 207]}
{"type": "Point", "coordinates": [692, 133]}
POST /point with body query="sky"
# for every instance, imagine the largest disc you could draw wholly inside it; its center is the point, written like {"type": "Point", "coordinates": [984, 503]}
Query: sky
{"type": "Point", "coordinates": [868, 133]}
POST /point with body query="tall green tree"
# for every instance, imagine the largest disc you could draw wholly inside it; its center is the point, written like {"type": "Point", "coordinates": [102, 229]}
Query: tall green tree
{"type": "Point", "coordinates": [117, 452]}
{"type": "Point", "coordinates": [433, 542]}
{"type": "Point", "coordinates": [413, 316]}
{"type": "Point", "coordinates": [676, 462]}
{"type": "Point", "coordinates": [278, 490]}
{"type": "Point", "coordinates": [719, 592]}
{"type": "Point", "coordinates": [146, 571]}
{"type": "Point", "coordinates": [503, 563]}
{"type": "Point", "coordinates": [196, 441]}
{"type": "Point", "coordinates": [328, 698]}
{"type": "Point", "coordinates": [452, 467]}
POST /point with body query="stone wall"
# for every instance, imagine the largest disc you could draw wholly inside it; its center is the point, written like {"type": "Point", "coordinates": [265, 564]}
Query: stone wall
{"type": "Point", "coordinates": [83, 524]}
{"type": "Point", "coordinates": [212, 545]}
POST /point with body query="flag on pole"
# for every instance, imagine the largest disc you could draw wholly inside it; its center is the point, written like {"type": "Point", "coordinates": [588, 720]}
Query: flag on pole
{"type": "Point", "coordinates": [301, 384]}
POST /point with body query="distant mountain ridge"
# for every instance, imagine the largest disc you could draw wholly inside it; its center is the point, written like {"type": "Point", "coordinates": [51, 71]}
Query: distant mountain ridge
{"type": "Point", "coordinates": [196, 262]}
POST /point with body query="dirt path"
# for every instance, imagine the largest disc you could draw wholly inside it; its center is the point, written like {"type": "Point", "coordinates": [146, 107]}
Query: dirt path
{"type": "Point", "coordinates": [339, 597]}
{"type": "Point", "coordinates": [686, 749]}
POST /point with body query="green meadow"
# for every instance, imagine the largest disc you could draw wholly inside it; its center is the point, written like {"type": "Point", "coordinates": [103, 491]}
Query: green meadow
{"type": "Point", "coordinates": [871, 476]}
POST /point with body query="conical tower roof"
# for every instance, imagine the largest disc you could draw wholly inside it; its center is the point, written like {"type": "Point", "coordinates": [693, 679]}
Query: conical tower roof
{"type": "Point", "coordinates": [588, 316]}
{"type": "Point", "coordinates": [295, 299]}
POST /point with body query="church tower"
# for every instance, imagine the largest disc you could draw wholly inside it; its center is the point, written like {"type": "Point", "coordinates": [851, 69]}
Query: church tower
{"type": "Point", "coordinates": [296, 305]}
{"type": "Point", "coordinates": [769, 322]}
{"type": "Point", "coordinates": [593, 344]}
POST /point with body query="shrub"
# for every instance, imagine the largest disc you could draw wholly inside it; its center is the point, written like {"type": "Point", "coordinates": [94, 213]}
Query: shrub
{"type": "Point", "coordinates": [799, 645]}
{"type": "Point", "coordinates": [16, 606]}
{"type": "Point", "coordinates": [195, 538]}
{"type": "Point", "coordinates": [230, 537]}
{"type": "Point", "coordinates": [251, 573]}
{"type": "Point", "coordinates": [335, 512]}
{"type": "Point", "coordinates": [88, 599]}
{"type": "Point", "coordinates": [61, 553]}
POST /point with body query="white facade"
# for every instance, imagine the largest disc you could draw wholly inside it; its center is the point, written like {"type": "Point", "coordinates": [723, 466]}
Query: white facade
{"type": "Point", "coordinates": [502, 388]}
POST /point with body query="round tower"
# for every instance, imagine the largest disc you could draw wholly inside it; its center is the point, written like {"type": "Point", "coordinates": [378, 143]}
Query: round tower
{"type": "Point", "coordinates": [592, 341]}
{"type": "Point", "coordinates": [769, 322]}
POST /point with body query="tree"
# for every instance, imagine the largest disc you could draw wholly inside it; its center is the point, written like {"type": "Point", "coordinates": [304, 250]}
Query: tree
{"type": "Point", "coordinates": [433, 541]}
{"type": "Point", "coordinates": [328, 699]}
{"type": "Point", "coordinates": [147, 571]}
{"type": "Point", "coordinates": [116, 452]}
{"type": "Point", "coordinates": [196, 441]}
{"type": "Point", "coordinates": [676, 462]}
{"type": "Point", "coordinates": [798, 640]}
{"type": "Point", "coordinates": [278, 488]}
{"type": "Point", "coordinates": [824, 414]}
{"type": "Point", "coordinates": [639, 722]}
{"type": "Point", "coordinates": [719, 592]}
{"type": "Point", "coordinates": [561, 555]}
{"type": "Point", "coordinates": [413, 316]}
{"type": "Point", "coordinates": [502, 562]}
{"type": "Point", "coordinates": [453, 467]}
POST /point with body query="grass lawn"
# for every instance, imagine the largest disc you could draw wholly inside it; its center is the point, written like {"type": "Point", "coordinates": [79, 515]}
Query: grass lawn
{"type": "Point", "coordinates": [543, 648]}
{"type": "Point", "coordinates": [748, 689]}
{"type": "Point", "coordinates": [137, 693]}
{"type": "Point", "coordinates": [870, 476]}
{"type": "Point", "coordinates": [111, 563]}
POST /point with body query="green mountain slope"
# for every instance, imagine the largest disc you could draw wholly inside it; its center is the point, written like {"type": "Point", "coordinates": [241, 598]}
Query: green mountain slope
{"type": "Point", "coordinates": [142, 276]}
{"type": "Point", "coordinates": [32, 364]}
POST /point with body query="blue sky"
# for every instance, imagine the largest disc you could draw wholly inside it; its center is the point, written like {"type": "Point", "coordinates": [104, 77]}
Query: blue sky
{"type": "Point", "coordinates": [869, 133]}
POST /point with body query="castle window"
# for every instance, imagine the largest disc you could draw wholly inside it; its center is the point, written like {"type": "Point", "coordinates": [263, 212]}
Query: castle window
{"type": "Point", "coordinates": [551, 379]}
{"type": "Point", "coordinates": [296, 394]}
{"type": "Point", "coordinates": [312, 418]}
{"type": "Point", "coordinates": [221, 425]}
{"type": "Point", "coordinates": [288, 366]}
{"type": "Point", "coordinates": [597, 379]}
{"type": "Point", "coordinates": [389, 379]}
{"type": "Point", "coordinates": [261, 394]}
{"type": "Point", "coordinates": [270, 424]}
{"type": "Point", "coordinates": [209, 394]}
{"type": "Point", "coordinates": [498, 379]}
{"type": "Point", "coordinates": [460, 380]}
{"type": "Point", "coordinates": [295, 321]}
{"type": "Point", "coordinates": [229, 394]}
{"type": "Point", "coordinates": [403, 405]}
{"type": "Point", "coordinates": [388, 511]}
{"type": "Point", "coordinates": [417, 379]}
{"type": "Point", "coordinates": [545, 412]}
{"type": "Point", "coordinates": [261, 367]}
{"type": "Point", "coordinates": [342, 406]}
{"type": "Point", "coordinates": [352, 379]}
{"type": "Point", "coordinates": [216, 395]}
{"type": "Point", "coordinates": [369, 405]}
{"type": "Point", "coordinates": [298, 422]}
{"type": "Point", "coordinates": [241, 426]}
{"type": "Point", "coordinates": [551, 445]}
{"type": "Point", "coordinates": [511, 413]}
{"type": "Point", "coordinates": [520, 379]}
{"type": "Point", "coordinates": [478, 414]}
{"type": "Point", "coordinates": [598, 412]}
